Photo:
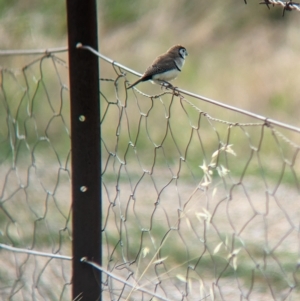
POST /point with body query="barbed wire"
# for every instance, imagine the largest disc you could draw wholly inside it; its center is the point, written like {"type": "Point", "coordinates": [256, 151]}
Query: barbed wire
{"type": "Point", "coordinates": [287, 5]}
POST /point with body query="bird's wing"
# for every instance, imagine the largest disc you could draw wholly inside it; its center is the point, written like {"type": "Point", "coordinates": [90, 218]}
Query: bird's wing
{"type": "Point", "coordinates": [160, 65]}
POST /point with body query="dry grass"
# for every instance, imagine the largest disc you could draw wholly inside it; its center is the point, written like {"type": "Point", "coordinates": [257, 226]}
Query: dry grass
{"type": "Point", "coordinates": [242, 55]}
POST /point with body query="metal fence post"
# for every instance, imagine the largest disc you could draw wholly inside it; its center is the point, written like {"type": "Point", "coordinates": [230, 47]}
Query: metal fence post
{"type": "Point", "coordinates": [86, 156]}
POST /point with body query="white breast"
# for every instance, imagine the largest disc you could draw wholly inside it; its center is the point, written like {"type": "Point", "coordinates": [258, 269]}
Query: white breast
{"type": "Point", "coordinates": [166, 76]}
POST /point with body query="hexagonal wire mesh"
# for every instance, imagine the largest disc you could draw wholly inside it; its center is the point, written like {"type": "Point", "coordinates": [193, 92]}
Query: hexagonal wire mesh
{"type": "Point", "coordinates": [201, 200]}
{"type": "Point", "coordinates": [35, 180]}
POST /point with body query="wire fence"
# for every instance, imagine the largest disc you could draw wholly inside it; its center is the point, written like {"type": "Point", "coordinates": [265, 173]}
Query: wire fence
{"type": "Point", "coordinates": [200, 199]}
{"type": "Point", "coordinates": [35, 175]}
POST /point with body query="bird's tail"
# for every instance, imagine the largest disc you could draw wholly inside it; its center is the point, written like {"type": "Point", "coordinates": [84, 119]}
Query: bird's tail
{"type": "Point", "coordinates": [135, 83]}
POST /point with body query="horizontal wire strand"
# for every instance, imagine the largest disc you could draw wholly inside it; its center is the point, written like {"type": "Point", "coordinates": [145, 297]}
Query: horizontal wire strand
{"type": "Point", "coordinates": [266, 120]}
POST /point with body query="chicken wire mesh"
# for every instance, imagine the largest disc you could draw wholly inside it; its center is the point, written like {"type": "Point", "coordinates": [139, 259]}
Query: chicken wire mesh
{"type": "Point", "coordinates": [200, 202]}
{"type": "Point", "coordinates": [34, 179]}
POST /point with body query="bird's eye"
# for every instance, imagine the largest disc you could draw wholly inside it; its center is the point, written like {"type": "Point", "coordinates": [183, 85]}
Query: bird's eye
{"type": "Point", "coordinates": [183, 52]}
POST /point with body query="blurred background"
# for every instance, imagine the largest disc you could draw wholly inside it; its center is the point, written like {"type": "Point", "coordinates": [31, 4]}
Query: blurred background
{"type": "Point", "coordinates": [242, 55]}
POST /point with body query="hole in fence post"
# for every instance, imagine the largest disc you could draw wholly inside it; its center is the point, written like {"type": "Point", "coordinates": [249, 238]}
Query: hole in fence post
{"type": "Point", "coordinates": [86, 151]}
{"type": "Point", "coordinates": [83, 188]}
{"type": "Point", "coordinates": [82, 118]}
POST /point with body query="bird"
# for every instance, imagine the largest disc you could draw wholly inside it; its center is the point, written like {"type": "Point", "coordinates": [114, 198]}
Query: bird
{"type": "Point", "coordinates": [165, 67]}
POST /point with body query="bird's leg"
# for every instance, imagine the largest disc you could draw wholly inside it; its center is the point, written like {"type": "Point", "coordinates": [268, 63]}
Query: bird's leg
{"type": "Point", "coordinates": [166, 84]}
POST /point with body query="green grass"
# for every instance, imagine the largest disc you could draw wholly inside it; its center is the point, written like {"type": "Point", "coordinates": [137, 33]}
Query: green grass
{"type": "Point", "coordinates": [237, 54]}
{"type": "Point", "coordinates": [210, 265]}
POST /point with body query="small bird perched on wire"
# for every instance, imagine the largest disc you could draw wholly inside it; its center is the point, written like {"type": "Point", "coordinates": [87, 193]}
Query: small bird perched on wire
{"type": "Point", "coordinates": [165, 67]}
